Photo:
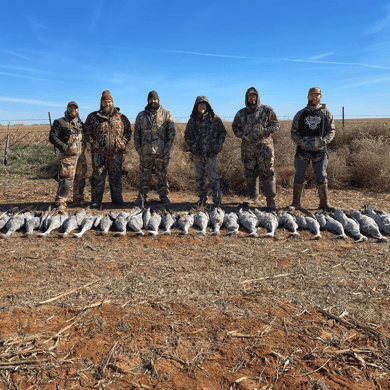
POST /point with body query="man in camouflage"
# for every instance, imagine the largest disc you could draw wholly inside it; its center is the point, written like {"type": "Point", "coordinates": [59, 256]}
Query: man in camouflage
{"type": "Point", "coordinates": [312, 129]}
{"type": "Point", "coordinates": [66, 135]}
{"type": "Point", "coordinates": [254, 124]}
{"type": "Point", "coordinates": [108, 131]}
{"type": "Point", "coordinates": [204, 136]}
{"type": "Point", "coordinates": [154, 132]}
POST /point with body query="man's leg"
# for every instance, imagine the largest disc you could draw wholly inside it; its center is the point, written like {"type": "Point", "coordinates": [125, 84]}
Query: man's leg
{"type": "Point", "coordinates": [145, 167]}
{"type": "Point", "coordinates": [320, 163]}
{"type": "Point", "coordinates": [212, 174]}
{"type": "Point", "coordinates": [251, 173]}
{"type": "Point", "coordinates": [267, 173]}
{"type": "Point", "coordinates": [67, 173]}
{"type": "Point", "coordinates": [99, 172]}
{"type": "Point", "coordinates": [79, 180]}
{"type": "Point", "coordinates": [115, 178]}
{"type": "Point", "coordinates": [161, 164]}
{"type": "Point", "coordinates": [299, 180]}
{"type": "Point", "coordinates": [200, 178]}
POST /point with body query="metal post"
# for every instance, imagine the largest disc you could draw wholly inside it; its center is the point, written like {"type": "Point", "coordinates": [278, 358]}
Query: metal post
{"type": "Point", "coordinates": [343, 116]}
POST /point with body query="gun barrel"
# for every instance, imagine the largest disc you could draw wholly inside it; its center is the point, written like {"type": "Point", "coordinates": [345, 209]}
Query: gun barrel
{"type": "Point", "coordinates": [6, 147]}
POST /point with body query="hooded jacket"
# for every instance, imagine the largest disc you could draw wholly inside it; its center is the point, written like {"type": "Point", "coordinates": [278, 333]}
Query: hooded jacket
{"type": "Point", "coordinates": [205, 133]}
{"type": "Point", "coordinates": [107, 134]}
{"type": "Point", "coordinates": [313, 128]}
{"type": "Point", "coordinates": [63, 129]}
{"type": "Point", "coordinates": [255, 125]}
{"type": "Point", "coordinates": [154, 132]}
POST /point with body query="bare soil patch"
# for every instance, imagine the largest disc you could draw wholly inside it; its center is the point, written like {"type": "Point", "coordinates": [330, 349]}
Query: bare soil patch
{"type": "Point", "coordinates": [193, 312]}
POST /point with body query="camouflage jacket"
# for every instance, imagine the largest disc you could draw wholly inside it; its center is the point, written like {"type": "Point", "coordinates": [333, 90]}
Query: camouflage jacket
{"type": "Point", "coordinates": [154, 132]}
{"type": "Point", "coordinates": [205, 133]}
{"type": "Point", "coordinates": [255, 126]}
{"type": "Point", "coordinates": [313, 128]}
{"type": "Point", "coordinates": [63, 129]}
{"type": "Point", "coordinates": [107, 134]}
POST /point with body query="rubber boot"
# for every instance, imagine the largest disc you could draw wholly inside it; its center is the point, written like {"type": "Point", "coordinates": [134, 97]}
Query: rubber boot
{"type": "Point", "coordinates": [97, 201]}
{"type": "Point", "coordinates": [323, 195]}
{"type": "Point", "coordinates": [297, 193]}
{"type": "Point", "coordinates": [270, 192]}
{"type": "Point", "coordinates": [201, 202]}
{"type": "Point", "coordinates": [164, 200]}
{"type": "Point", "coordinates": [78, 193]}
{"type": "Point", "coordinates": [253, 189]}
{"type": "Point", "coordinates": [62, 193]}
{"type": "Point", "coordinates": [116, 198]}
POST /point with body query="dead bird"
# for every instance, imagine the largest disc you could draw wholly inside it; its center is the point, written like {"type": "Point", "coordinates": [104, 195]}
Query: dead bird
{"type": "Point", "coordinates": [154, 222]}
{"type": "Point", "coordinates": [289, 222]}
{"type": "Point", "coordinates": [96, 224]}
{"type": "Point", "coordinates": [167, 221]}
{"type": "Point", "coordinates": [15, 223]}
{"type": "Point", "coordinates": [68, 226]}
{"type": "Point", "coordinates": [335, 226]}
{"type": "Point", "coordinates": [43, 225]}
{"type": "Point", "coordinates": [249, 221]}
{"type": "Point", "coordinates": [80, 216]}
{"type": "Point", "coordinates": [217, 216]}
{"type": "Point", "coordinates": [53, 223]}
{"type": "Point", "coordinates": [201, 220]}
{"type": "Point", "coordinates": [112, 215]}
{"type": "Point", "coordinates": [350, 225]}
{"type": "Point", "coordinates": [120, 223]}
{"type": "Point", "coordinates": [105, 224]}
{"type": "Point", "coordinates": [146, 217]}
{"type": "Point", "coordinates": [31, 224]}
{"type": "Point", "coordinates": [231, 223]}
{"type": "Point", "coordinates": [368, 225]}
{"type": "Point", "coordinates": [135, 222]}
{"type": "Point", "coordinates": [185, 221]}
{"type": "Point", "coordinates": [382, 220]}
{"type": "Point", "coordinates": [4, 219]}
{"type": "Point", "coordinates": [268, 220]}
{"type": "Point", "coordinates": [314, 227]}
{"type": "Point", "coordinates": [86, 225]}
{"type": "Point", "coordinates": [301, 221]}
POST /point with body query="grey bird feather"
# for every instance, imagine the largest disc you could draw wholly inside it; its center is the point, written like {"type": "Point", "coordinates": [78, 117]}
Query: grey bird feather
{"type": "Point", "coordinates": [231, 223]}
{"type": "Point", "coordinates": [268, 220]}
{"type": "Point", "coordinates": [68, 226]}
{"type": "Point", "coordinates": [154, 223]}
{"type": "Point", "coordinates": [146, 217]}
{"type": "Point", "coordinates": [185, 221]}
{"type": "Point", "coordinates": [105, 224]}
{"type": "Point", "coordinates": [201, 220]}
{"type": "Point", "coordinates": [368, 225]}
{"type": "Point", "coordinates": [217, 216]}
{"type": "Point", "coordinates": [314, 227]}
{"type": "Point", "coordinates": [249, 221]}
{"type": "Point", "coordinates": [135, 222]}
{"type": "Point", "coordinates": [335, 226]}
{"type": "Point", "coordinates": [86, 225]}
{"type": "Point", "coordinates": [289, 222]}
{"type": "Point", "coordinates": [15, 223]}
{"type": "Point", "coordinates": [350, 225]}
{"type": "Point", "coordinates": [167, 221]}
{"type": "Point", "coordinates": [382, 220]}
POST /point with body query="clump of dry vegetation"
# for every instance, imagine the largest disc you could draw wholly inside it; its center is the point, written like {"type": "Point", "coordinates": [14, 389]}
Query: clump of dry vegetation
{"type": "Point", "coordinates": [358, 156]}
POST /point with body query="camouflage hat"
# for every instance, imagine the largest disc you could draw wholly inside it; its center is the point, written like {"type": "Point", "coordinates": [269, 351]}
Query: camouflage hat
{"type": "Point", "coordinates": [314, 90]}
{"type": "Point", "coordinates": [72, 103]}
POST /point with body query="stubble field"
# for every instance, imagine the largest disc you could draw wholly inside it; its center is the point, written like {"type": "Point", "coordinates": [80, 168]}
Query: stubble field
{"type": "Point", "coordinates": [198, 312]}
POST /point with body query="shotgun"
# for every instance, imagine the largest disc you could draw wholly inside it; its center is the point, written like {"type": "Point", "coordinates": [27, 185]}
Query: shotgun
{"type": "Point", "coordinates": [55, 150]}
{"type": "Point", "coordinates": [6, 147]}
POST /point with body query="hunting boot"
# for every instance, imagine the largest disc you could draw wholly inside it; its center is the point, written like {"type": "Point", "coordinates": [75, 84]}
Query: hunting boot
{"type": "Point", "coordinates": [201, 202]}
{"type": "Point", "coordinates": [217, 201]}
{"type": "Point", "coordinates": [62, 194]}
{"type": "Point", "coordinates": [323, 195]}
{"type": "Point", "coordinates": [164, 199]}
{"type": "Point", "coordinates": [270, 192]}
{"type": "Point", "coordinates": [297, 193]}
{"type": "Point", "coordinates": [253, 189]}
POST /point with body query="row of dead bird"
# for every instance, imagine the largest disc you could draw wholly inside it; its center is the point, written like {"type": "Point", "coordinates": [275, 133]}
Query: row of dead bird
{"type": "Point", "coordinates": [371, 222]}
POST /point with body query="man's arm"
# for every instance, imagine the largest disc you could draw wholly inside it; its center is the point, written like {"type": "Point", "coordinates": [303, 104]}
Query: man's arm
{"type": "Point", "coordinates": [330, 131]}
{"type": "Point", "coordinates": [137, 134]}
{"type": "Point", "coordinates": [237, 126]}
{"type": "Point", "coordinates": [221, 131]}
{"type": "Point", "coordinates": [126, 128]}
{"type": "Point", "coordinates": [272, 126]}
{"type": "Point", "coordinates": [54, 137]}
{"type": "Point", "coordinates": [88, 127]}
{"type": "Point", "coordinates": [307, 143]}
{"type": "Point", "coordinates": [171, 133]}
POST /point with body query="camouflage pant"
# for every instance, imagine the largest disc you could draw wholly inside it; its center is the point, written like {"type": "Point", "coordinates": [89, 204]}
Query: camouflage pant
{"type": "Point", "coordinates": [319, 161]}
{"type": "Point", "coordinates": [258, 160]}
{"type": "Point", "coordinates": [73, 168]}
{"type": "Point", "coordinates": [207, 166]}
{"type": "Point", "coordinates": [101, 165]}
{"type": "Point", "coordinates": [157, 164]}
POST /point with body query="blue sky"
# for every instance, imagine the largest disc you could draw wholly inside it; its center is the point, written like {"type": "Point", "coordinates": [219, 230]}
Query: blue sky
{"type": "Point", "coordinates": [52, 52]}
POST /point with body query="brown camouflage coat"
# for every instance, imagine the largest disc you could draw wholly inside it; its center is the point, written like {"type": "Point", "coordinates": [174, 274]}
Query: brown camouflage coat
{"type": "Point", "coordinates": [154, 132]}
{"type": "Point", "coordinates": [107, 134]}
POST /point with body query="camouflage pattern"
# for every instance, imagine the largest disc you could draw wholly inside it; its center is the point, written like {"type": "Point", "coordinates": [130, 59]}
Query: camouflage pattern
{"type": "Point", "coordinates": [107, 134]}
{"type": "Point", "coordinates": [66, 135]}
{"type": "Point", "coordinates": [154, 132]}
{"type": "Point", "coordinates": [157, 164]}
{"type": "Point", "coordinates": [312, 129]}
{"type": "Point", "coordinates": [204, 136]}
{"type": "Point", "coordinates": [101, 165]}
{"type": "Point", "coordinates": [254, 127]}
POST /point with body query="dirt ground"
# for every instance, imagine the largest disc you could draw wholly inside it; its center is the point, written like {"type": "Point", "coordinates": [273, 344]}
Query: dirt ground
{"type": "Point", "coordinates": [193, 312]}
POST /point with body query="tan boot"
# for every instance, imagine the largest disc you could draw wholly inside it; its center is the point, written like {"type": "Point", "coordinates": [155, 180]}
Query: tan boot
{"type": "Point", "coordinates": [297, 193]}
{"type": "Point", "coordinates": [270, 192]}
{"type": "Point", "coordinates": [323, 195]}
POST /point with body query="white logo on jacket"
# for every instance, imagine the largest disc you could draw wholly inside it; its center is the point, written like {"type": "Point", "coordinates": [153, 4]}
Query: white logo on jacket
{"type": "Point", "coordinates": [313, 121]}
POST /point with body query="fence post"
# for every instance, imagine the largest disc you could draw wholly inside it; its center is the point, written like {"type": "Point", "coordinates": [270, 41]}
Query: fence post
{"type": "Point", "coordinates": [343, 116]}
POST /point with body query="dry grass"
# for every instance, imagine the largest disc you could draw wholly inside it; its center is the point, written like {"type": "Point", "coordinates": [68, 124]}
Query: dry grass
{"type": "Point", "coordinates": [359, 156]}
